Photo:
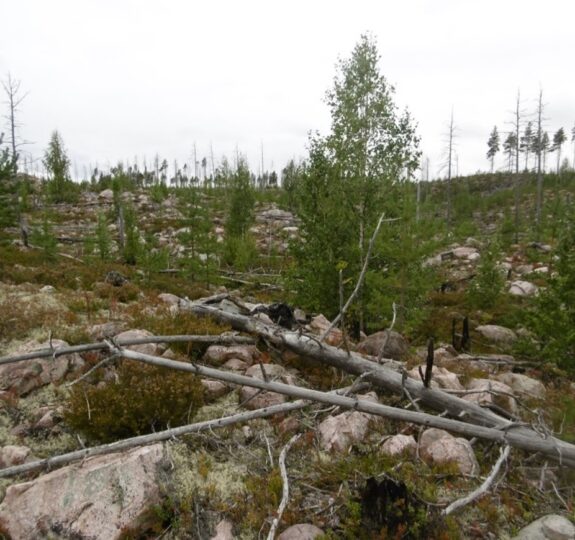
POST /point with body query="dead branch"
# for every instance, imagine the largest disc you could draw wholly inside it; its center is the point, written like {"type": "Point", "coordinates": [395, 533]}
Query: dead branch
{"type": "Point", "coordinates": [532, 442]}
{"type": "Point", "coordinates": [483, 488]}
{"type": "Point", "coordinates": [203, 339]}
{"type": "Point", "coordinates": [387, 334]}
{"type": "Point", "coordinates": [285, 490]}
{"type": "Point", "coordinates": [359, 279]}
{"type": "Point", "coordinates": [152, 438]}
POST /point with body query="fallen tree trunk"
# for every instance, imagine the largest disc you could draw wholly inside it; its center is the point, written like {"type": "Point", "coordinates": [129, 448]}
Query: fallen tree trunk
{"type": "Point", "coordinates": [388, 376]}
{"type": "Point", "coordinates": [532, 442]}
{"type": "Point", "coordinates": [203, 339]}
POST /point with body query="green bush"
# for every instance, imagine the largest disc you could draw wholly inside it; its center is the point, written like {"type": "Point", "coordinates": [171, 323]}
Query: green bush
{"type": "Point", "coordinates": [240, 252]}
{"type": "Point", "coordinates": [143, 400]}
{"type": "Point", "coordinates": [487, 286]}
{"type": "Point", "coordinates": [552, 318]}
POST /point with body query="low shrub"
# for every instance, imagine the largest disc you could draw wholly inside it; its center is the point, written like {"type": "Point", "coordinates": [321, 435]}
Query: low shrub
{"type": "Point", "coordinates": [144, 399]}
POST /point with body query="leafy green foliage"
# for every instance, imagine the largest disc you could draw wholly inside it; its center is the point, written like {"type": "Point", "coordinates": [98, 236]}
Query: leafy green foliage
{"type": "Point", "coordinates": [552, 318]}
{"type": "Point", "coordinates": [240, 252]}
{"type": "Point", "coordinates": [487, 287]}
{"type": "Point", "coordinates": [352, 176]}
{"type": "Point", "coordinates": [57, 163]}
{"type": "Point", "coordinates": [241, 202]}
{"type": "Point", "coordinates": [132, 244]}
{"type": "Point", "coordinates": [144, 399]}
{"type": "Point", "coordinates": [8, 188]}
{"type": "Point", "coordinates": [103, 238]}
{"type": "Point", "coordinates": [45, 239]}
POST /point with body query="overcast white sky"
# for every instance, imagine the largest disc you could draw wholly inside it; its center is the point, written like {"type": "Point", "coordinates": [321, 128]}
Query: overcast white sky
{"type": "Point", "coordinates": [125, 78]}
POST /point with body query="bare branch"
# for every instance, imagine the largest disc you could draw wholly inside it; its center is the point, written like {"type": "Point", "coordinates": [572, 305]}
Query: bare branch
{"type": "Point", "coordinates": [361, 277]}
{"type": "Point", "coordinates": [285, 490]}
{"type": "Point", "coordinates": [483, 488]}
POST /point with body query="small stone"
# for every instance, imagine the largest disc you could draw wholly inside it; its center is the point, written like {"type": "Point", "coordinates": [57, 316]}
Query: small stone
{"type": "Point", "coordinates": [399, 444]}
{"type": "Point", "coordinates": [14, 455]}
{"type": "Point", "coordinates": [224, 531]}
{"type": "Point", "coordinates": [301, 531]}
{"type": "Point", "coordinates": [523, 385]}
{"type": "Point", "coordinates": [170, 299]}
{"type": "Point", "coordinates": [497, 334]}
{"type": "Point", "coordinates": [214, 389]}
{"type": "Point", "coordinates": [551, 527]}
{"type": "Point", "coordinates": [523, 288]}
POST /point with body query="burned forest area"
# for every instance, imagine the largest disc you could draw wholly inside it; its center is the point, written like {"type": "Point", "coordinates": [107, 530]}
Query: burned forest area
{"type": "Point", "coordinates": [344, 348]}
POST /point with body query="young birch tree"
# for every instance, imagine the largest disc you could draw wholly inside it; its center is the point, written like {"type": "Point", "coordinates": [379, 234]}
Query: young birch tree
{"type": "Point", "coordinates": [353, 171]}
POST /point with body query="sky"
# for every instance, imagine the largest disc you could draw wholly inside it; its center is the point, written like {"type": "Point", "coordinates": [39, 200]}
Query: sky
{"type": "Point", "coordinates": [128, 79]}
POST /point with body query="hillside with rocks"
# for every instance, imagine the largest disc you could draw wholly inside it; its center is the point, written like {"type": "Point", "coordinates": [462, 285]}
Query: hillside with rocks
{"type": "Point", "coordinates": [137, 401]}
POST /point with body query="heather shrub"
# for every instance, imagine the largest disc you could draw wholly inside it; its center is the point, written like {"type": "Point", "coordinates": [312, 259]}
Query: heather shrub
{"type": "Point", "coordinates": [143, 399]}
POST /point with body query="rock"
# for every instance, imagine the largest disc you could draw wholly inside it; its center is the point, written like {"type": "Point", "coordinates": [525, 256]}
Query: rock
{"type": "Point", "coordinates": [300, 316]}
{"type": "Point", "coordinates": [14, 455]}
{"type": "Point", "coordinates": [301, 531]}
{"type": "Point", "coordinates": [259, 399]}
{"type": "Point", "coordinates": [544, 248]}
{"type": "Point", "coordinates": [524, 269]}
{"type": "Point", "coordinates": [144, 348]}
{"type": "Point", "coordinates": [288, 425]}
{"type": "Point", "coordinates": [395, 347]}
{"type": "Point", "coordinates": [223, 531]}
{"type": "Point", "coordinates": [341, 431]}
{"type": "Point", "coordinates": [48, 289]}
{"type": "Point", "coordinates": [523, 288]}
{"type": "Point", "coordinates": [429, 436]}
{"type": "Point", "coordinates": [319, 325]}
{"type": "Point", "coordinates": [98, 332]}
{"type": "Point", "coordinates": [399, 444]}
{"type": "Point", "coordinates": [551, 527]}
{"type": "Point", "coordinates": [214, 389]}
{"type": "Point", "coordinates": [474, 257]}
{"type": "Point", "coordinates": [107, 195]}
{"type": "Point", "coordinates": [23, 377]}
{"type": "Point", "coordinates": [465, 252]}
{"type": "Point", "coordinates": [170, 299]}
{"type": "Point", "coordinates": [437, 447]}
{"type": "Point", "coordinates": [441, 377]}
{"type": "Point", "coordinates": [116, 279]}
{"type": "Point", "coordinates": [98, 499]}
{"type": "Point", "coordinates": [497, 334]}
{"type": "Point", "coordinates": [48, 420]}
{"type": "Point", "coordinates": [218, 354]}
{"type": "Point", "coordinates": [522, 385]}
{"type": "Point", "coordinates": [484, 395]}
{"type": "Point", "coordinates": [235, 364]}
{"type": "Point", "coordinates": [541, 270]}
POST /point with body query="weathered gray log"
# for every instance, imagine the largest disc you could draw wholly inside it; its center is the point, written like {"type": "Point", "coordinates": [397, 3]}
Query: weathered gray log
{"type": "Point", "coordinates": [203, 339]}
{"type": "Point", "coordinates": [386, 376]}
{"type": "Point", "coordinates": [508, 434]}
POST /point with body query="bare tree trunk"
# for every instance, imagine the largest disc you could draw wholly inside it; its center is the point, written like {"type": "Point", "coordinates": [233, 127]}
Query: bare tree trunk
{"type": "Point", "coordinates": [517, 125]}
{"type": "Point", "coordinates": [449, 163]}
{"type": "Point", "coordinates": [539, 200]}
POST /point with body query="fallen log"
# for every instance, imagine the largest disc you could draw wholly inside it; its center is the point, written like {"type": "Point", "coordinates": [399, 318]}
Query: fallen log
{"type": "Point", "coordinates": [510, 434]}
{"type": "Point", "coordinates": [387, 376]}
{"type": "Point", "coordinates": [221, 339]}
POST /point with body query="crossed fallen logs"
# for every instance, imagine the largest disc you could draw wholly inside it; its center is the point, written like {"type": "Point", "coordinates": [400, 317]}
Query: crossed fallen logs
{"type": "Point", "coordinates": [467, 419]}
